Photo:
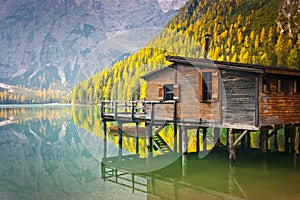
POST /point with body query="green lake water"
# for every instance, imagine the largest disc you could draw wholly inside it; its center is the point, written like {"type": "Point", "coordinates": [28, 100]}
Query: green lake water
{"type": "Point", "coordinates": [58, 152]}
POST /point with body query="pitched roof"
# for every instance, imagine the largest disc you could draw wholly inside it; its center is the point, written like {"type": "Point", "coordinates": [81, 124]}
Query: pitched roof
{"type": "Point", "coordinates": [234, 66]}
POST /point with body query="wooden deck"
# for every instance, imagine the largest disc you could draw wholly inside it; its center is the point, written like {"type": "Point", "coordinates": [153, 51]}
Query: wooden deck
{"type": "Point", "coordinates": [136, 111]}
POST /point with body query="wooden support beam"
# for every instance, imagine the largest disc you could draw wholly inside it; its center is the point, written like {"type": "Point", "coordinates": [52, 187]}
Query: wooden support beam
{"type": "Point", "coordinates": [198, 139]}
{"type": "Point", "coordinates": [287, 139]}
{"type": "Point", "coordinates": [184, 140]}
{"type": "Point", "coordinates": [104, 140]}
{"type": "Point", "coordinates": [276, 142]}
{"type": "Point", "coordinates": [137, 137]}
{"type": "Point", "coordinates": [263, 141]}
{"type": "Point", "coordinates": [293, 139]}
{"type": "Point", "coordinates": [180, 139]}
{"type": "Point", "coordinates": [175, 137]}
{"type": "Point", "coordinates": [232, 152]}
{"type": "Point", "coordinates": [216, 135]}
{"type": "Point", "coordinates": [120, 138]}
{"type": "Point", "coordinates": [149, 141]}
{"type": "Point", "coordinates": [240, 137]}
{"type": "Point", "coordinates": [248, 140]}
{"type": "Point", "coordinates": [204, 138]}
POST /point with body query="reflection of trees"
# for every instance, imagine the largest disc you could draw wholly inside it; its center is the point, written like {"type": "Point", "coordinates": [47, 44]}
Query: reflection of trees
{"type": "Point", "coordinates": [22, 115]}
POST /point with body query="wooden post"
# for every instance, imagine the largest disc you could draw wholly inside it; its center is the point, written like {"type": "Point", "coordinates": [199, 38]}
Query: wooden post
{"type": "Point", "coordinates": [293, 139]}
{"type": "Point", "coordinates": [149, 138]}
{"type": "Point", "coordinates": [204, 136]}
{"type": "Point", "coordinates": [243, 142]}
{"type": "Point", "coordinates": [216, 136]}
{"type": "Point", "coordinates": [120, 139]}
{"type": "Point", "coordinates": [104, 140]}
{"type": "Point", "coordinates": [175, 137]}
{"type": "Point", "coordinates": [263, 141]}
{"type": "Point", "coordinates": [175, 126]}
{"type": "Point", "coordinates": [232, 153]}
{"type": "Point", "coordinates": [227, 137]}
{"type": "Point", "coordinates": [137, 137]}
{"type": "Point", "coordinates": [198, 139]}
{"type": "Point", "coordinates": [287, 139]}
{"type": "Point", "coordinates": [184, 140]}
{"type": "Point", "coordinates": [248, 140]}
{"type": "Point", "coordinates": [276, 142]}
{"type": "Point", "coordinates": [180, 139]}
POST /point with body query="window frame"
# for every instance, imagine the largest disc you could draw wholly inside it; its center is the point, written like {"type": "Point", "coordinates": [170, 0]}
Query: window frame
{"type": "Point", "coordinates": [213, 87]}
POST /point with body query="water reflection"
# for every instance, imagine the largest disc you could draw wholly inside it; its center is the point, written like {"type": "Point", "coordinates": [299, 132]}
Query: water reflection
{"type": "Point", "coordinates": [43, 155]}
{"type": "Point", "coordinates": [211, 177]}
{"type": "Point", "coordinates": [59, 152]}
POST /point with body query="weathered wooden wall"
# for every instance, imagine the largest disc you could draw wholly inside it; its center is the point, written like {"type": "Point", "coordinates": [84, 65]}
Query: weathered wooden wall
{"type": "Point", "coordinates": [238, 98]}
{"type": "Point", "coordinates": [275, 107]}
{"type": "Point", "coordinates": [191, 105]}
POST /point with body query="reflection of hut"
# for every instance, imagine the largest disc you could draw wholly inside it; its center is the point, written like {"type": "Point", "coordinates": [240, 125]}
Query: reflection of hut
{"type": "Point", "coordinates": [208, 178]}
{"type": "Point", "coordinates": [199, 93]}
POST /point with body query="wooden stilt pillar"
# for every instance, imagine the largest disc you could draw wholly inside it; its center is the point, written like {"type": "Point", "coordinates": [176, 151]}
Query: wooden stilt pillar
{"type": "Point", "coordinates": [287, 139]}
{"type": "Point", "coordinates": [204, 136]}
{"type": "Point", "coordinates": [276, 141]}
{"type": "Point", "coordinates": [232, 152]}
{"type": "Point", "coordinates": [180, 139]}
{"type": "Point", "coordinates": [184, 165]}
{"type": "Point", "coordinates": [149, 138]}
{"type": "Point", "coordinates": [104, 140]}
{"type": "Point", "coordinates": [263, 141]}
{"type": "Point", "coordinates": [216, 136]}
{"type": "Point", "coordinates": [120, 139]}
{"type": "Point", "coordinates": [248, 140]}
{"type": "Point", "coordinates": [175, 137]}
{"type": "Point", "coordinates": [293, 139]}
{"type": "Point", "coordinates": [198, 139]}
{"type": "Point", "coordinates": [227, 137]}
{"type": "Point", "coordinates": [137, 138]}
{"type": "Point", "coordinates": [184, 140]}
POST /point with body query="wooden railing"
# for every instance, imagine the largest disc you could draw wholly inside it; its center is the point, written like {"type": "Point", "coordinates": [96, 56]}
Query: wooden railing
{"type": "Point", "coordinates": [132, 109]}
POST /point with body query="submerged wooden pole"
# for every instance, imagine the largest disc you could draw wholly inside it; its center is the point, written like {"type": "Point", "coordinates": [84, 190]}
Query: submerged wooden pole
{"type": "Point", "coordinates": [232, 152]}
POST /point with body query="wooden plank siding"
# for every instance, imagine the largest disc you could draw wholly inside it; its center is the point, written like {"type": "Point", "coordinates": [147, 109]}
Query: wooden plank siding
{"type": "Point", "coordinates": [275, 107]}
{"type": "Point", "coordinates": [238, 98]}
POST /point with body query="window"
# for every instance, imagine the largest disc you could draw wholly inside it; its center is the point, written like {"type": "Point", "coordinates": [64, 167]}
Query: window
{"type": "Point", "coordinates": [168, 92]}
{"type": "Point", "coordinates": [296, 86]}
{"type": "Point", "coordinates": [207, 86]}
{"type": "Point", "coordinates": [266, 85]}
{"type": "Point", "coordinates": [279, 85]}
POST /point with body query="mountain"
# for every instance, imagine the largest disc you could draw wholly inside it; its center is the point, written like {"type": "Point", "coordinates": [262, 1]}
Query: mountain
{"type": "Point", "coordinates": [61, 42]}
{"type": "Point", "coordinates": [247, 31]}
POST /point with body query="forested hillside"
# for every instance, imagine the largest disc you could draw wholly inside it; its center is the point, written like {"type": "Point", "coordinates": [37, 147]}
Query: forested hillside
{"type": "Point", "coordinates": [246, 31]}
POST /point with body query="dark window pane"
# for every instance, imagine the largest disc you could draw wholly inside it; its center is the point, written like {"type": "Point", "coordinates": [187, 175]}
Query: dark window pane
{"type": "Point", "coordinates": [207, 85]}
{"type": "Point", "coordinates": [169, 92]}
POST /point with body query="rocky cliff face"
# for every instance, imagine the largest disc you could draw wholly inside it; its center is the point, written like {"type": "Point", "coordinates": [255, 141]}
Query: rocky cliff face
{"type": "Point", "coordinates": [65, 41]}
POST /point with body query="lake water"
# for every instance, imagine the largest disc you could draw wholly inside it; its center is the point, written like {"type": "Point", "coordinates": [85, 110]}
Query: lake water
{"type": "Point", "coordinates": [58, 152]}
